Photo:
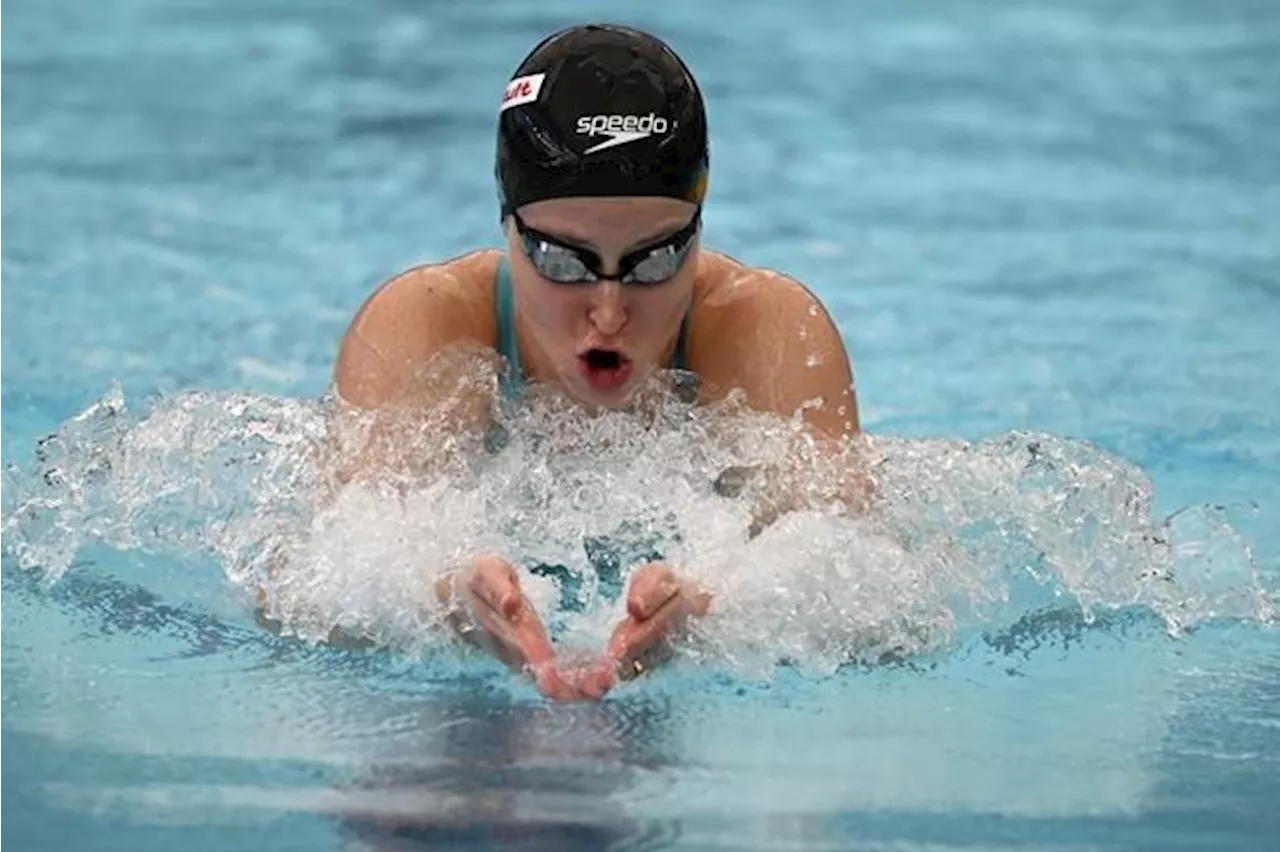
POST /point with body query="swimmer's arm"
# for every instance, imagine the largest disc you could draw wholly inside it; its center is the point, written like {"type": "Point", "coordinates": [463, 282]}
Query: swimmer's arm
{"type": "Point", "coordinates": [776, 344]}
{"type": "Point", "coordinates": [772, 341]}
{"type": "Point", "coordinates": [405, 375]}
{"type": "Point", "coordinates": [396, 401]}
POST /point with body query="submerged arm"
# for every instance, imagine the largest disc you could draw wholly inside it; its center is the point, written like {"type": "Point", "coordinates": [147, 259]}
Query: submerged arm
{"type": "Point", "coordinates": [777, 346]}
{"type": "Point", "coordinates": [416, 383]}
{"type": "Point", "coordinates": [409, 378]}
{"type": "Point", "coordinates": [408, 388]}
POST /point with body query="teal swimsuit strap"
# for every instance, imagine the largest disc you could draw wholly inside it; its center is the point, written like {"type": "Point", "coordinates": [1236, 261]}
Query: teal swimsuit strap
{"type": "Point", "coordinates": [513, 381]}
{"type": "Point", "coordinates": [680, 361]}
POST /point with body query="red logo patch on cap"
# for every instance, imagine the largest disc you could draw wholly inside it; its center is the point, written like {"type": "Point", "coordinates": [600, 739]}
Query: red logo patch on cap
{"type": "Point", "coordinates": [522, 90]}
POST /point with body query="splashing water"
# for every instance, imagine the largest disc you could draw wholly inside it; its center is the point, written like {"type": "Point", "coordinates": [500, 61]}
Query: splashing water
{"type": "Point", "coordinates": [964, 536]}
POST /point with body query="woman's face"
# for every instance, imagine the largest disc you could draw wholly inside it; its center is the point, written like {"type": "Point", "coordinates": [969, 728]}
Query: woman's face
{"type": "Point", "coordinates": [602, 338]}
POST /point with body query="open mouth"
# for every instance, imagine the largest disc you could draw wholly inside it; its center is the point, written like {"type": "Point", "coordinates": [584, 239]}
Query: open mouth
{"type": "Point", "coordinates": [605, 368]}
{"type": "Point", "coordinates": [602, 359]}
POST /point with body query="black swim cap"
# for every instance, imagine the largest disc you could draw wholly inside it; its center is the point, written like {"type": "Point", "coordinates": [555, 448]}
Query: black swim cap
{"type": "Point", "coordinates": [601, 110]}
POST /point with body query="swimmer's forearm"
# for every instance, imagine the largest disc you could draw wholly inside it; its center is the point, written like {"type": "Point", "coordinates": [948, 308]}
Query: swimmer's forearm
{"type": "Point", "coordinates": [486, 607]}
{"type": "Point", "coordinates": [659, 604]}
{"type": "Point", "coordinates": [781, 495]}
{"type": "Point", "coordinates": [463, 623]}
{"type": "Point", "coordinates": [444, 586]}
{"type": "Point", "coordinates": [818, 470]}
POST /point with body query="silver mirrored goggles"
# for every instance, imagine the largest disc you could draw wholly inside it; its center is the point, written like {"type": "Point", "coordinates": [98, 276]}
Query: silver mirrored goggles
{"type": "Point", "coordinates": [565, 264]}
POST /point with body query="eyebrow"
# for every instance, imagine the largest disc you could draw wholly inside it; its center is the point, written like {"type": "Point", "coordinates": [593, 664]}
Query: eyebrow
{"type": "Point", "coordinates": [660, 237]}
{"type": "Point", "coordinates": [639, 245]}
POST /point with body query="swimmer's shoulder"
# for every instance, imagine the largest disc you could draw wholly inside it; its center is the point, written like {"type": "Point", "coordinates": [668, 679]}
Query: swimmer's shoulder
{"type": "Point", "coordinates": [766, 335]}
{"type": "Point", "coordinates": [415, 315]}
{"type": "Point", "coordinates": [450, 300]}
{"type": "Point", "coordinates": [734, 301]}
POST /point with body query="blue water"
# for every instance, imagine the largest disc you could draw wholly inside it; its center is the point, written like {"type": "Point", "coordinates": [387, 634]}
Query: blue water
{"type": "Point", "coordinates": [1059, 219]}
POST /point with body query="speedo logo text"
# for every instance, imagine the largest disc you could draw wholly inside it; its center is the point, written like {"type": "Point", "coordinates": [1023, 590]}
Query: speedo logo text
{"type": "Point", "coordinates": [620, 129]}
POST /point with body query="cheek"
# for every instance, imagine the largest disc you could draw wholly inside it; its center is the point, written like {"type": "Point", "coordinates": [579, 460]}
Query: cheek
{"type": "Point", "coordinates": [551, 306]}
{"type": "Point", "coordinates": [662, 306]}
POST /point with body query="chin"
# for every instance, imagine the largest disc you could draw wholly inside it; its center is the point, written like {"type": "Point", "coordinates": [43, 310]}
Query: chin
{"type": "Point", "coordinates": [611, 398]}
{"type": "Point", "coordinates": [618, 398]}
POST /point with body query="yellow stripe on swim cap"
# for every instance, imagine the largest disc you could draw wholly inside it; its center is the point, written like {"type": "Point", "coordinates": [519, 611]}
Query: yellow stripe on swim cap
{"type": "Point", "coordinates": [699, 190]}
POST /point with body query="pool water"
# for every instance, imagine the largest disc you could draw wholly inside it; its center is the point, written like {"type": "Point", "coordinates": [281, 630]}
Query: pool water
{"type": "Point", "coordinates": [1049, 236]}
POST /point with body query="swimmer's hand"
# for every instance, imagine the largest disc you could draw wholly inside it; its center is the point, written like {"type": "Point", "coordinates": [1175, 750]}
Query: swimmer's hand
{"type": "Point", "coordinates": [489, 609]}
{"type": "Point", "coordinates": [658, 602]}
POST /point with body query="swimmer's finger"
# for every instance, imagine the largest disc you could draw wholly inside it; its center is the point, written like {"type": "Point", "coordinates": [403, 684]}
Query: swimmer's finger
{"type": "Point", "coordinates": [497, 586]}
{"type": "Point", "coordinates": [628, 645]}
{"type": "Point", "coordinates": [552, 683]}
{"type": "Point", "coordinates": [548, 680]}
{"type": "Point", "coordinates": [653, 586]}
{"type": "Point", "coordinates": [634, 636]}
{"type": "Point", "coordinates": [645, 604]}
{"type": "Point", "coordinates": [596, 680]}
{"type": "Point", "coordinates": [518, 641]}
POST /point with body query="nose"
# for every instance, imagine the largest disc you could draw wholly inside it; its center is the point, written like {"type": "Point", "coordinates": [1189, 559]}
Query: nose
{"type": "Point", "coordinates": [608, 311]}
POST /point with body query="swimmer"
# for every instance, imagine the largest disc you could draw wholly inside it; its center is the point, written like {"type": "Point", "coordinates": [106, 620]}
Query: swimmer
{"type": "Point", "coordinates": [603, 283]}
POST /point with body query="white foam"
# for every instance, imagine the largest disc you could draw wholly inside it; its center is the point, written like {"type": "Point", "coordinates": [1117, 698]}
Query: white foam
{"type": "Point", "coordinates": [965, 535]}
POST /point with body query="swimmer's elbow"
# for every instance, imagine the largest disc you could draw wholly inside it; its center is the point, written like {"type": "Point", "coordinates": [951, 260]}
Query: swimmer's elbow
{"type": "Point", "coordinates": [268, 588]}
{"type": "Point", "coordinates": [853, 492]}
